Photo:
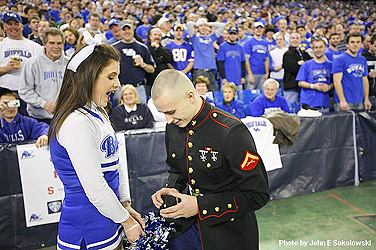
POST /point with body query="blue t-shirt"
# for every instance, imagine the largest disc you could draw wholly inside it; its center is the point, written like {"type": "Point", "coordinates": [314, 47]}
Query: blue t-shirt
{"type": "Point", "coordinates": [26, 31]}
{"type": "Point", "coordinates": [112, 40]}
{"type": "Point", "coordinates": [353, 69]}
{"type": "Point", "coordinates": [313, 72]}
{"type": "Point", "coordinates": [258, 51]}
{"type": "Point", "coordinates": [109, 34]}
{"type": "Point", "coordinates": [128, 72]}
{"type": "Point", "coordinates": [142, 31]}
{"type": "Point", "coordinates": [271, 45]}
{"type": "Point", "coordinates": [244, 40]}
{"type": "Point", "coordinates": [22, 128]}
{"type": "Point", "coordinates": [233, 56]}
{"type": "Point", "coordinates": [181, 55]}
{"type": "Point", "coordinates": [331, 54]}
{"type": "Point", "coordinates": [85, 13]}
{"type": "Point", "coordinates": [204, 51]}
{"type": "Point", "coordinates": [55, 14]}
{"type": "Point", "coordinates": [261, 105]}
{"type": "Point", "coordinates": [236, 108]}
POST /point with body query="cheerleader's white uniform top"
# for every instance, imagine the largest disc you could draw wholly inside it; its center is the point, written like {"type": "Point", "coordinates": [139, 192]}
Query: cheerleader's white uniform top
{"type": "Point", "coordinates": [85, 156]}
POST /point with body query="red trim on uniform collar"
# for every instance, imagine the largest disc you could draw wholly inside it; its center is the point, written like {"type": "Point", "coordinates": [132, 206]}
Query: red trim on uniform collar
{"type": "Point", "coordinates": [201, 116]}
{"type": "Point", "coordinates": [202, 107]}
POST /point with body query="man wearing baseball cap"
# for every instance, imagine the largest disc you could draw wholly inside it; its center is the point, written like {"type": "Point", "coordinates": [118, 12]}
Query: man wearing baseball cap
{"type": "Point", "coordinates": [114, 30]}
{"type": "Point", "coordinates": [231, 60]}
{"type": "Point", "coordinates": [135, 60]}
{"type": "Point", "coordinates": [257, 54]}
{"type": "Point", "coordinates": [202, 42]}
{"type": "Point", "coordinates": [165, 25]}
{"type": "Point", "coordinates": [182, 52]}
{"type": "Point", "coordinates": [15, 50]}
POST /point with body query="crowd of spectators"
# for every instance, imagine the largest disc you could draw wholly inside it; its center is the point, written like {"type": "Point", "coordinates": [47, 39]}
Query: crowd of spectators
{"type": "Point", "coordinates": [313, 49]}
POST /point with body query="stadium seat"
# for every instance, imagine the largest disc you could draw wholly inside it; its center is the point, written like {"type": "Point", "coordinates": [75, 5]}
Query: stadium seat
{"type": "Point", "coordinates": [248, 109]}
{"type": "Point", "coordinates": [280, 92]}
{"type": "Point", "coordinates": [248, 95]}
{"type": "Point", "coordinates": [218, 96]}
{"type": "Point", "coordinates": [294, 107]}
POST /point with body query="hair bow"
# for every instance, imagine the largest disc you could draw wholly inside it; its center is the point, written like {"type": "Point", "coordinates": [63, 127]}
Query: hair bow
{"type": "Point", "coordinates": [76, 61]}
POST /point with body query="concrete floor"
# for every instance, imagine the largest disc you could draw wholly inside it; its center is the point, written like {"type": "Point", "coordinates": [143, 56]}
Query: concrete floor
{"type": "Point", "coordinates": [338, 216]}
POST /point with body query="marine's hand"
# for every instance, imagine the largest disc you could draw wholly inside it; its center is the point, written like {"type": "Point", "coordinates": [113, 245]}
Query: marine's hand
{"type": "Point", "coordinates": [187, 207]}
{"type": "Point", "coordinates": [157, 196]}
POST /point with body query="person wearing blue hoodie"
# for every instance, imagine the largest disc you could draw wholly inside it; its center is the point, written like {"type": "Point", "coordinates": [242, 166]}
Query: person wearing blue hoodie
{"type": "Point", "coordinates": [16, 128]}
{"type": "Point", "coordinates": [229, 104]}
{"type": "Point", "coordinates": [41, 79]}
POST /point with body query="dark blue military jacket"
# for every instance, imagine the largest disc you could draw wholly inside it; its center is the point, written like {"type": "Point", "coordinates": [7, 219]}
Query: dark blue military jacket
{"type": "Point", "coordinates": [216, 155]}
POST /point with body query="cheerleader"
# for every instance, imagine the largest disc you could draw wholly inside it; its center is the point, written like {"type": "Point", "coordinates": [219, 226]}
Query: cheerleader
{"type": "Point", "coordinates": [96, 211]}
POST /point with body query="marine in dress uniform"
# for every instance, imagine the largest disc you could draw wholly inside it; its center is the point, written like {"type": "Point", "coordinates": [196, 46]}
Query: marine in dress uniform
{"type": "Point", "coordinates": [216, 156]}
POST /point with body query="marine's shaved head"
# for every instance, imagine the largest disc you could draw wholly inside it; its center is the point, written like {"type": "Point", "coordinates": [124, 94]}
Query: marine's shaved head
{"type": "Point", "coordinates": [174, 95]}
{"type": "Point", "coordinates": [172, 83]}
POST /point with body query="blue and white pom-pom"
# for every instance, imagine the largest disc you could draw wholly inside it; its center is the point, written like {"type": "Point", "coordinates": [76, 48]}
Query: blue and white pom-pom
{"type": "Point", "coordinates": [157, 231]}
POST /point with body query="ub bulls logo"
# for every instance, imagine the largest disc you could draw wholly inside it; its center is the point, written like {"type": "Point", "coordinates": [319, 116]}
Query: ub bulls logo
{"type": "Point", "coordinates": [250, 161]}
{"type": "Point", "coordinates": [54, 206]}
{"type": "Point", "coordinates": [110, 146]}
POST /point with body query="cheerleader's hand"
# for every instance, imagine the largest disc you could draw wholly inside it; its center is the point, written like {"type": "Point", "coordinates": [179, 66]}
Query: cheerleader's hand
{"type": "Point", "coordinates": [134, 213]}
{"type": "Point", "coordinates": [132, 230]}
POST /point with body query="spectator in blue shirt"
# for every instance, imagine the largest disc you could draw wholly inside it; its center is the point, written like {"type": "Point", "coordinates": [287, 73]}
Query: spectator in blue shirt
{"type": "Point", "coordinates": [333, 51]}
{"type": "Point", "coordinates": [142, 30]}
{"type": "Point", "coordinates": [314, 78]}
{"type": "Point", "coordinates": [15, 127]}
{"type": "Point", "coordinates": [305, 43]}
{"type": "Point", "coordinates": [55, 10]}
{"type": "Point", "coordinates": [182, 52]}
{"type": "Point", "coordinates": [231, 60]}
{"type": "Point", "coordinates": [229, 104]}
{"type": "Point", "coordinates": [202, 42]}
{"type": "Point", "coordinates": [350, 77]}
{"type": "Point", "coordinates": [269, 101]}
{"type": "Point", "coordinates": [243, 37]}
{"type": "Point", "coordinates": [269, 33]}
{"type": "Point", "coordinates": [114, 30]}
{"type": "Point", "coordinates": [257, 54]}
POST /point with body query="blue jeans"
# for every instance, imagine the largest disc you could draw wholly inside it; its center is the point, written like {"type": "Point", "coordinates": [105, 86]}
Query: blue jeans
{"type": "Point", "coordinates": [292, 95]}
{"type": "Point", "coordinates": [259, 81]}
{"type": "Point", "coordinates": [352, 106]}
{"type": "Point", "coordinates": [189, 240]}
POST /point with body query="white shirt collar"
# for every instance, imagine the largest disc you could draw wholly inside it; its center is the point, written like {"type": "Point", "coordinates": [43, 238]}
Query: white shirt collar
{"type": "Point", "coordinates": [130, 109]}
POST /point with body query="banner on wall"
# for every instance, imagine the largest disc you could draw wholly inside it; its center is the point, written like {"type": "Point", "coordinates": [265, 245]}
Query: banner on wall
{"type": "Point", "coordinates": [43, 192]}
{"type": "Point", "coordinates": [261, 130]}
